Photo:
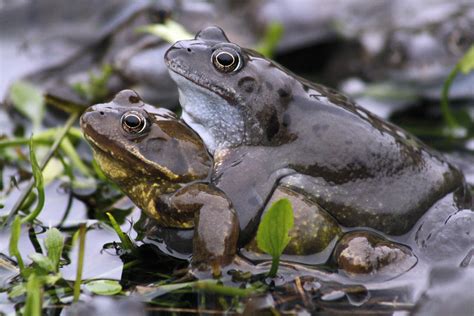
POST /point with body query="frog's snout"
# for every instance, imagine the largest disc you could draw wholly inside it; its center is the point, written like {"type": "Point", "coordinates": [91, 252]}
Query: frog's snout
{"type": "Point", "coordinates": [180, 49]}
{"type": "Point", "coordinates": [91, 116]}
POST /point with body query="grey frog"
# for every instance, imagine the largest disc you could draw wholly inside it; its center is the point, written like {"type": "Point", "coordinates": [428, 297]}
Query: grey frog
{"type": "Point", "coordinates": [264, 125]}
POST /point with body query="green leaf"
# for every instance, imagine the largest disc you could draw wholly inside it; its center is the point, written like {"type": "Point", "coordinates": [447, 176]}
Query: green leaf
{"type": "Point", "coordinates": [17, 290]}
{"type": "Point", "coordinates": [95, 89]}
{"type": "Point", "coordinates": [14, 238]}
{"type": "Point", "coordinates": [70, 151]}
{"type": "Point", "coordinates": [170, 31]}
{"type": "Point", "coordinates": [270, 40]}
{"type": "Point", "coordinates": [104, 287]}
{"type": "Point", "coordinates": [29, 101]}
{"type": "Point", "coordinates": [272, 234]}
{"type": "Point", "coordinates": [466, 64]}
{"type": "Point", "coordinates": [127, 244]}
{"type": "Point", "coordinates": [39, 184]}
{"type": "Point", "coordinates": [54, 243]}
{"type": "Point", "coordinates": [51, 279]}
{"type": "Point", "coordinates": [33, 296]}
{"type": "Point", "coordinates": [42, 261]}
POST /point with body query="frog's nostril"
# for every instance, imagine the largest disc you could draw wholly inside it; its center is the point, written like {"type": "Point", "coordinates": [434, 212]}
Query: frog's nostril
{"type": "Point", "coordinates": [101, 113]}
{"type": "Point", "coordinates": [189, 50]}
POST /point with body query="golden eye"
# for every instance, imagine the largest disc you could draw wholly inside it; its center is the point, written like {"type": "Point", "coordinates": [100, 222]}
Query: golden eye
{"type": "Point", "coordinates": [133, 122]}
{"type": "Point", "coordinates": [226, 60]}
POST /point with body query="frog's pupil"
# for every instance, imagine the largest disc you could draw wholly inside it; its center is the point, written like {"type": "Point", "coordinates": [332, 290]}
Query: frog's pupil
{"type": "Point", "coordinates": [225, 59]}
{"type": "Point", "coordinates": [132, 121]}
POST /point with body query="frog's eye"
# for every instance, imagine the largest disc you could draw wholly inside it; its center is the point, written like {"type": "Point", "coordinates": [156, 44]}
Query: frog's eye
{"type": "Point", "coordinates": [133, 122]}
{"type": "Point", "coordinates": [226, 60]}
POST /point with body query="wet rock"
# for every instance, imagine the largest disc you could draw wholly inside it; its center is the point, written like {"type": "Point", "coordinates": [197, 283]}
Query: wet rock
{"type": "Point", "coordinates": [449, 293]}
{"type": "Point", "coordinates": [364, 254]}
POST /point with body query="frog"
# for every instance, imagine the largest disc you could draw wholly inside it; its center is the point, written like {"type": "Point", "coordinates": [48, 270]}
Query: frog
{"type": "Point", "coordinates": [266, 126]}
{"type": "Point", "coordinates": [150, 154]}
{"type": "Point", "coordinates": [163, 166]}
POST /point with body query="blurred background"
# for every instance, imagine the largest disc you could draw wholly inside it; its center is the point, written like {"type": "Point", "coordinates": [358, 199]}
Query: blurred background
{"type": "Point", "coordinates": [389, 54]}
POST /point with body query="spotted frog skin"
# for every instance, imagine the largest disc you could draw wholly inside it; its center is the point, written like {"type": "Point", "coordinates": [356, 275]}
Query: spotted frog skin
{"type": "Point", "coordinates": [266, 126]}
{"type": "Point", "coordinates": [164, 167]}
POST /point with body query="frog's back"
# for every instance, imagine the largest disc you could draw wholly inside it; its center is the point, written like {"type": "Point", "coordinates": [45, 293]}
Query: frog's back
{"type": "Point", "coordinates": [363, 170]}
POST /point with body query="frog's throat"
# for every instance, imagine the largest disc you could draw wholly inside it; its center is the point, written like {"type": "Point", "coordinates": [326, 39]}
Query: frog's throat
{"type": "Point", "coordinates": [207, 109]}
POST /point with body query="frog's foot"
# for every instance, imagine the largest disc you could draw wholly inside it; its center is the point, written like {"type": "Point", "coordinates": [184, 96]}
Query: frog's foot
{"type": "Point", "coordinates": [236, 267]}
{"type": "Point", "coordinates": [216, 226]}
{"type": "Point", "coordinates": [365, 255]}
{"type": "Point", "coordinates": [446, 231]}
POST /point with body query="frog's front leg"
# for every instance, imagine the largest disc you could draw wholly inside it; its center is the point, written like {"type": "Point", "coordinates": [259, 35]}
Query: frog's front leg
{"type": "Point", "coordinates": [216, 226]}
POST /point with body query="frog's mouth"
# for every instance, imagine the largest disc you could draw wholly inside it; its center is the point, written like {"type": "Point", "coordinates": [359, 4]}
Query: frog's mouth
{"type": "Point", "coordinates": [104, 147]}
{"type": "Point", "coordinates": [96, 141]}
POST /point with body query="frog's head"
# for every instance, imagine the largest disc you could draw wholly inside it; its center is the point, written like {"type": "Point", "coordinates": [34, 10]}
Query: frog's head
{"type": "Point", "coordinates": [230, 95]}
{"type": "Point", "coordinates": [145, 150]}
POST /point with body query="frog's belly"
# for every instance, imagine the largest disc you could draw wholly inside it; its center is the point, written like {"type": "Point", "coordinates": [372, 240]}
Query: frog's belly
{"type": "Point", "coordinates": [391, 205]}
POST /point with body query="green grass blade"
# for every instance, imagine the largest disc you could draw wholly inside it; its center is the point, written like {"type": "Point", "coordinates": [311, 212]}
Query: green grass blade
{"type": "Point", "coordinates": [124, 239]}
{"type": "Point", "coordinates": [76, 160]}
{"type": "Point", "coordinates": [13, 246]}
{"type": "Point", "coordinates": [80, 262]}
{"type": "Point", "coordinates": [39, 184]}
{"type": "Point", "coordinates": [24, 194]}
{"type": "Point", "coordinates": [445, 110]}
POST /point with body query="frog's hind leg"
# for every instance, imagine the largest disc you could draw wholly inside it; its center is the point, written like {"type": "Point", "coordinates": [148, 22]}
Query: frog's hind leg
{"type": "Point", "coordinates": [313, 235]}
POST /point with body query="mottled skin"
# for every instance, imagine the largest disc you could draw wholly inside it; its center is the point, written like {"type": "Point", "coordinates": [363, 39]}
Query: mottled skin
{"type": "Point", "coordinates": [152, 167]}
{"type": "Point", "coordinates": [264, 126]}
{"type": "Point", "coordinates": [164, 169]}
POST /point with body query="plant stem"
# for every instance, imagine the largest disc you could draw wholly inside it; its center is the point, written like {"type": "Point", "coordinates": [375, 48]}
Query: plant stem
{"type": "Point", "coordinates": [447, 114]}
{"type": "Point", "coordinates": [274, 268]}
{"type": "Point", "coordinates": [38, 180]}
{"type": "Point", "coordinates": [72, 118]}
{"type": "Point", "coordinates": [13, 247]}
{"type": "Point", "coordinates": [80, 262]}
{"type": "Point", "coordinates": [124, 239]}
{"type": "Point", "coordinates": [34, 288]}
